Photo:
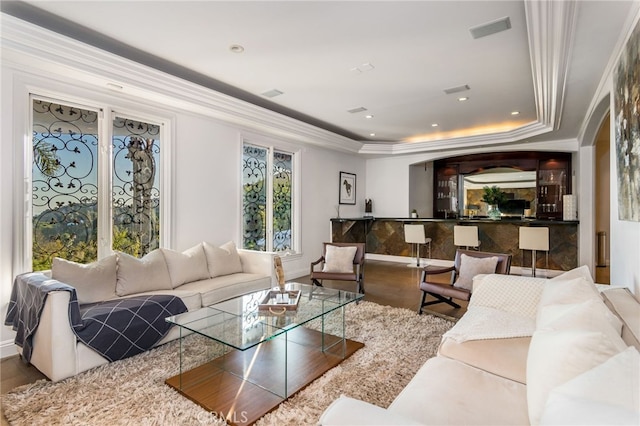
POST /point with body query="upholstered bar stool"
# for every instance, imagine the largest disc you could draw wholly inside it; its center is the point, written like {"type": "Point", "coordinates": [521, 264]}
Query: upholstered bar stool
{"type": "Point", "coordinates": [466, 236]}
{"type": "Point", "coordinates": [414, 234]}
{"type": "Point", "coordinates": [534, 238]}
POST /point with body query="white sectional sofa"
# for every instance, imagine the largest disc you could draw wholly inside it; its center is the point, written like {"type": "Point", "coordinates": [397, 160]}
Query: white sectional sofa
{"type": "Point", "coordinates": [527, 351]}
{"type": "Point", "coordinates": [200, 276]}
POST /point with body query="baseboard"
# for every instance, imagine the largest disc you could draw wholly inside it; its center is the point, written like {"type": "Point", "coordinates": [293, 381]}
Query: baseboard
{"type": "Point", "coordinates": [7, 349]}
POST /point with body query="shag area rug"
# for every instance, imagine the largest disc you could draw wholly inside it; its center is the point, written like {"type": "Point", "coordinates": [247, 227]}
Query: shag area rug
{"type": "Point", "coordinates": [132, 391]}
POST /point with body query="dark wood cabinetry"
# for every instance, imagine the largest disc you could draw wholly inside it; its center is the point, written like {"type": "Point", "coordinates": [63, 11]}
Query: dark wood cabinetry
{"type": "Point", "coordinates": [552, 182]}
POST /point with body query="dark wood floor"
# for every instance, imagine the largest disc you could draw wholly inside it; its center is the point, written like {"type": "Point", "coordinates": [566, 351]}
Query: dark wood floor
{"type": "Point", "coordinates": [386, 283]}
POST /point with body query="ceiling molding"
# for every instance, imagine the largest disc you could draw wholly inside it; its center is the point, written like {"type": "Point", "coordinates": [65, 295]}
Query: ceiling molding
{"type": "Point", "coordinates": [99, 68]}
{"type": "Point", "coordinates": [551, 28]}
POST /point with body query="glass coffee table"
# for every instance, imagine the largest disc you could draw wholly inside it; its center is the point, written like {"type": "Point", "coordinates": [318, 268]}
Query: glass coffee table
{"type": "Point", "coordinates": [252, 352]}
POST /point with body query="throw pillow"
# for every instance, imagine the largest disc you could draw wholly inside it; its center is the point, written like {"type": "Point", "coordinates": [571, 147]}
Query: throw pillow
{"type": "Point", "coordinates": [94, 282]}
{"type": "Point", "coordinates": [339, 259]}
{"type": "Point", "coordinates": [571, 340]}
{"type": "Point", "coordinates": [606, 394]}
{"type": "Point", "coordinates": [140, 275]}
{"type": "Point", "coordinates": [223, 260]}
{"type": "Point", "coordinates": [573, 291]}
{"type": "Point", "coordinates": [186, 267]}
{"type": "Point", "coordinates": [579, 272]}
{"type": "Point", "coordinates": [471, 266]}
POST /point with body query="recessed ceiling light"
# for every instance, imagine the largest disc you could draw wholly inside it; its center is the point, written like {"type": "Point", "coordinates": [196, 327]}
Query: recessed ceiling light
{"type": "Point", "coordinates": [464, 98]}
{"type": "Point", "coordinates": [515, 112]}
{"type": "Point", "coordinates": [434, 125]}
{"type": "Point", "coordinates": [368, 116]}
{"type": "Point", "coordinates": [372, 134]}
{"type": "Point", "coordinates": [236, 48]}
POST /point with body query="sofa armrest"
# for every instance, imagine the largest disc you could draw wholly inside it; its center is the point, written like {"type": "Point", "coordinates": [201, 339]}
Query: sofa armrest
{"type": "Point", "coordinates": [259, 262]}
{"type": "Point", "coordinates": [54, 342]}
{"type": "Point", "coordinates": [353, 412]}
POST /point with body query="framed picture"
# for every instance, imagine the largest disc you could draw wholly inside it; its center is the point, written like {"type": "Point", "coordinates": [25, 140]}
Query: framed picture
{"type": "Point", "coordinates": [347, 188]}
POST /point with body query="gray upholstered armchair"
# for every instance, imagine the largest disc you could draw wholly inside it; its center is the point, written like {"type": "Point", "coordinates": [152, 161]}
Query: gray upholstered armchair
{"type": "Point", "coordinates": [340, 261]}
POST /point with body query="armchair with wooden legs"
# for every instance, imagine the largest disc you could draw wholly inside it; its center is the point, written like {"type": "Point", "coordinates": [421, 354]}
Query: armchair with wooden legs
{"type": "Point", "coordinates": [446, 292]}
{"type": "Point", "coordinates": [335, 266]}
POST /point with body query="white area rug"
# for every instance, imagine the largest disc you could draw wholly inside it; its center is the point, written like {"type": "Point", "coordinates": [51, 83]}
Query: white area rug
{"type": "Point", "coordinates": [132, 392]}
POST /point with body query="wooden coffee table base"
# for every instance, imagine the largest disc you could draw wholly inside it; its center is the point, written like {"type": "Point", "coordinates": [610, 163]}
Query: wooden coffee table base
{"type": "Point", "coordinates": [241, 402]}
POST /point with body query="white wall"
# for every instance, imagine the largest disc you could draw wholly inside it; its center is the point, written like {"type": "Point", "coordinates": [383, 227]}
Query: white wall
{"type": "Point", "coordinates": [207, 163]}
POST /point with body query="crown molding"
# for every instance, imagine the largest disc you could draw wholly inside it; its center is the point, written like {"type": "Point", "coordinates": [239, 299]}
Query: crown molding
{"type": "Point", "coordinates": [550, 27]}
{"type": "Point", "coordinates": [66, 59]}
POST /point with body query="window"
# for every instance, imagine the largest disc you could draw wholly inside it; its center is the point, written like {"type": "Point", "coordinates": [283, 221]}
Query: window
{"type": "Point", "coordinates": [267, 199]}
{"type": "Point", "coordinates": [92, 192]}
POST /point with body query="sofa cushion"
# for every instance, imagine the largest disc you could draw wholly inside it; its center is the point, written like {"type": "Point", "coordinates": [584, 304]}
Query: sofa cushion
{"type": "Point", "coordinates": [606, 394]}
{"type": "Point", "coordinates": [191, 299]}
{"type": "Point", "coordinates": [339, 259]}
{"type": "Point", "coordinates": [449, 392]}
{"type": "Point", "coordinates": [504, 357]}
{"type": "Point", "coordinates": [217, 289]}
{"type": "Point", "coordinates": [570, 339]}
{"type": "Point", "coordinates": [188, 266]}
{"type": "Point", "coordinates": [223, 260]}
{"type": "Point", "coordinates": [353, 412]}
{"type": "Point", "coordinates": [472, 266]}
{"type": "Point", "coordinates": [576, 290]}
{"type": "Point", "coordinates": [94, 282]}
{"type": "Point", "coordinates": [139, 275]}
{"type": "Point", "coordinates": [579, 272]}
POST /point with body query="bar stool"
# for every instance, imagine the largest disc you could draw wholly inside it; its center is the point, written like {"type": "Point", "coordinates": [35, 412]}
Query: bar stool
{"type": "Point", "coordinates": [534, 239]}
{"type": "Point", "coordinates": [466, 236]}
{"type": "Point", "coordinates": [414, 234]}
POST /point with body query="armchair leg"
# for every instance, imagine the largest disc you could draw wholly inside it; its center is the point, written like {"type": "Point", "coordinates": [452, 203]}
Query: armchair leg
{"type": "Point", "coordinates": [424, 296]}
{"type": "Point", "coordinates": [440, 299]}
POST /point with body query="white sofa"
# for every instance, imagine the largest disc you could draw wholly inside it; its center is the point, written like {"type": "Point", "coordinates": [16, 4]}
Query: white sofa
{"type": "Point", "coordinates": [528, 351]}
{"type": "Point", "coordinates": [200, 276]}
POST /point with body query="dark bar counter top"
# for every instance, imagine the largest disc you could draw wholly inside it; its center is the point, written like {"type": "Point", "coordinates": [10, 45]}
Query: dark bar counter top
{"type": "Point", "coordinates": [385, 236]}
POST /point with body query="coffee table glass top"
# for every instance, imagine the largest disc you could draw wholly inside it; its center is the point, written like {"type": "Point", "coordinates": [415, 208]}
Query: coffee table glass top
{"type": "Point", "coordinates": [241, 324]}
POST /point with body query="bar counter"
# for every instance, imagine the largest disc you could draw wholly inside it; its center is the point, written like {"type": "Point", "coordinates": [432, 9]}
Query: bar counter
{"type": "Point", "coordinates": [385, 236]}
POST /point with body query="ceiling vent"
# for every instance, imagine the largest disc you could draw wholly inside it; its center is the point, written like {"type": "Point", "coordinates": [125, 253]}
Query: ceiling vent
{"type": "Point", "coordinates": [356, 110]}
{"type": "Point", "coordinates": [492, 27]}
{"type": "Point", "coordinates": [457, 89]}
{"type": "Point", "coordinates": [272, 93]}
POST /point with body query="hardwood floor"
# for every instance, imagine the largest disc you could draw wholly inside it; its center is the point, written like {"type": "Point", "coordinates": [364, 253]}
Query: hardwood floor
{"type": "Point", "coordinates": [386, 283]}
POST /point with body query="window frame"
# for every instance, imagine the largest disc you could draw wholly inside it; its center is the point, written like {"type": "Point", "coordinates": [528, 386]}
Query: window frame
{"type": "Point", "coordinates": [106, 112]}
{"type": "Point", "coordinates": [271, 146]}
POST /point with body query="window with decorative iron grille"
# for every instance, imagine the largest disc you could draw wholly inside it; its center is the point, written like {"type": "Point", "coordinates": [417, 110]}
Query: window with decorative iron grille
{"type": "Point", "coordinates": [88, 187]}
{"type": "Point", "coordinates": [267, 199]}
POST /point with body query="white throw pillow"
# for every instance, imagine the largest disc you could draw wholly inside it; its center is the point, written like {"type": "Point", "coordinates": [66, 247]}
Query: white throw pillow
{"type": "Point", "coordinates": [606, 394]}
{"type": "Point", "coordinates": [572, 291]}
{"type": "Point", "coordinates": [186, 267]}
{"type": "Point", "coordinates": [339, 259]}
{"type": "Point", "coordinates": [471, 266]}
{"type": "Point", "coordinates": [579, 272]}
{"type": "Point", "coordinates": [571, 340]}
{"type": "Point", "coordinates": [140, 275]}
{"type": "Point", "coordinates": [223, 260]}
{"type": "Point", "coordinates": [94, 282]}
